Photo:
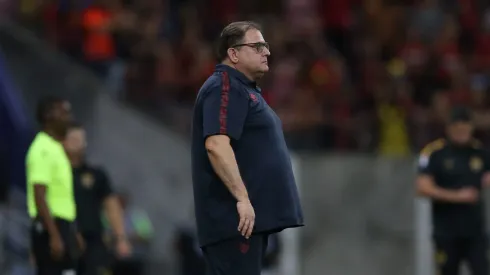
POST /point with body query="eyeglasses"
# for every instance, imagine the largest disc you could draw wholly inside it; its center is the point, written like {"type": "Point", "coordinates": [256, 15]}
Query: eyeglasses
{"type": "Point", "coordinates": [258, 46]}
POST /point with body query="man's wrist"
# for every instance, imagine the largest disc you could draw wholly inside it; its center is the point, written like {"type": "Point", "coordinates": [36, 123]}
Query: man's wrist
{"type": "Point", "coordinates": [243, 199]}
{"type": "Point", "coordinates": [447, 195]}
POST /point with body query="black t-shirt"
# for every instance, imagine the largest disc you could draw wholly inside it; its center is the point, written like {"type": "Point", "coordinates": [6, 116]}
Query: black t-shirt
{"type": "Point", "coordinates": [455, 167]}
{"type": "Point", "coordinates": [230, 104]}
{"type": "Point", "coordinates": [92, 187]}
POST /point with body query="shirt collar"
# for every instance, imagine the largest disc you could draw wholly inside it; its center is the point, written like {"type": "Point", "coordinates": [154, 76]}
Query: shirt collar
{"type": "Point", "coordinates": [43, 133]}
{"type": "Point", "coordinates": [453, 145]}
{"type": "Point", "coordinates": [237, 74]}
{"type": "Point", "coordinates": [83, 166]}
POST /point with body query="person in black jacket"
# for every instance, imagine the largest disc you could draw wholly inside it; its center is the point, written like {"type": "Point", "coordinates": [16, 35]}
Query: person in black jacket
{"type": "Point", "coordinates": [452, 173]}
{"type": "Point", "coordinates": [94, 195]}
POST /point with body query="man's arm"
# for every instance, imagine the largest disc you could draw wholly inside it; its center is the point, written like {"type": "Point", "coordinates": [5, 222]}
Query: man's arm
{"type": "Point", "coordinates": [427, 187]}
{"type": "Point", "coordinates": [486, 174]}
{"type": "Point", "coordinates": [38, 172]}
{"type": "Point", "coordinates": [43, 210]}
{"type": "Point", "coordinates": [486, 179]}
{"type": "Point", "coordinates": [224, 113]}
{"type": "Point", "coordinates": [114, 214]}
{"type": "Point", "coordinates": [112, 207]}
{"type": "Point", "coordinates": [223, 160]}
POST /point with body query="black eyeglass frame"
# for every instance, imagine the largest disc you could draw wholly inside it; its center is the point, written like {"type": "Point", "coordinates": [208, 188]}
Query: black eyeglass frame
{"type": "Point", "coordinates": [258, 46]}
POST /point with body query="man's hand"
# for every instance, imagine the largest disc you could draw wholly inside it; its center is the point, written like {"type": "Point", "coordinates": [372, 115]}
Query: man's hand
{"type": "Point", "coordinates": [57, 247]}
{"type": "Point", "coordinates": [123, 248]}
{"type": "Point", "coordinates": [247, 218]}
{"type": "Point", "coordinates": [467, 195]}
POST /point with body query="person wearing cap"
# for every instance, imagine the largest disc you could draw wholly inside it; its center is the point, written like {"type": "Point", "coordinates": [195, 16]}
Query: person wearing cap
{"type": "Point", "coordinates": [452, 172]}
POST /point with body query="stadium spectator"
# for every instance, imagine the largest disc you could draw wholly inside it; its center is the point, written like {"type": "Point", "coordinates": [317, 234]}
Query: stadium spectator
{"type": "Point", "coordinates": [329, 60]}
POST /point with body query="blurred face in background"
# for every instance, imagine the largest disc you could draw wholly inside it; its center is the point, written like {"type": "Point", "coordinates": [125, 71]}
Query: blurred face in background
{"type": "Point", "coordinates": [75, 142]}
{"type": "Point", "coordinates": [250, 56]}
{"type": "Point", "coordinates": [460, 132]}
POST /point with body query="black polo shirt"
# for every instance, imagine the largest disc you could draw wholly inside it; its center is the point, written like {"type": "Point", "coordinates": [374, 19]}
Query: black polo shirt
{"type": "Point", "coordinates": [230, 104]}
{"type": "Point", "coordinates": [455, 167]}
{"type": "Point", "coordinates": [92, 187]}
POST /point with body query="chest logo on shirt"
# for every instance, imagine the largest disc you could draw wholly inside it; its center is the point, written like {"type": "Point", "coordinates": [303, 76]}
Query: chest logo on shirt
{"type": "Point", "coordinates": [253, 98]}
{"type": "Point", "coordinates": [87, 180]}
{"type": "Point", "coordinates": [449, 164]}
{"type": "Point", "coordinates": [476, 164]}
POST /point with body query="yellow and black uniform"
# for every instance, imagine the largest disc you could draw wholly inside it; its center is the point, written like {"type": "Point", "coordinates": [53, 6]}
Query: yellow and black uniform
{"type": "Point", "coordinates": [47, 164]}
{"type": "Point", "coordinates": [458, 229]}
{"type": "Point", "coordinates": [92, 187]}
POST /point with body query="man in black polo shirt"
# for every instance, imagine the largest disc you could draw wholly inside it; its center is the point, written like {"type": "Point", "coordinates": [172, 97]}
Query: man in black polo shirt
{"type": "Point", "coordinates": [452, 172]}
{"type": "Point", "coordinates": [244, 187]}
{"type": "Point", "coordinates": [93, 195]}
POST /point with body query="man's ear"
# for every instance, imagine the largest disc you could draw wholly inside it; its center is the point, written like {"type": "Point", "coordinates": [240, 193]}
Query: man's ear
{"type": "Point", "coordinates": [232, 55]}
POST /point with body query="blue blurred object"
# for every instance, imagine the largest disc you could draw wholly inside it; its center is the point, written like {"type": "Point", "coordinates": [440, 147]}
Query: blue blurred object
{"type": "Point", "coordinates": [15, 137]}
{"type": "Point", "coordinates": [15, 130]}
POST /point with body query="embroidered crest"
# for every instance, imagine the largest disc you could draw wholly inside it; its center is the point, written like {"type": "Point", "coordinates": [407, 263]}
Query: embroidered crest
{"type": "Point", "coordinates": [476, 164]}
{"type": "Point", "coordinates": [87, 180]}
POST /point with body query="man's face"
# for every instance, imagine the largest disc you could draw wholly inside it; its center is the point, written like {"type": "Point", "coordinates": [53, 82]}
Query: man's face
{"type": "Point", "coordinates": [252, 57]}
{"type": "Point", "coordinates": [460, 132]}
{"type": "Point", "coordinates": [62, 116]}
{"type": "Point", "coordinates": [75, 141]}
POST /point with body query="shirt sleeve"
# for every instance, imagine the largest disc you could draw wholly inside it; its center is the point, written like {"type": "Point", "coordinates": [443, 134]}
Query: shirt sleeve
{"type": "Point", "coordinates": [224, 112]}
{"type": "Point", "coordinates": [105, 187]}
{"type": "Point", "coordinates": [426, 164]}
{"type": "Point", "coordinates": [38, 166]}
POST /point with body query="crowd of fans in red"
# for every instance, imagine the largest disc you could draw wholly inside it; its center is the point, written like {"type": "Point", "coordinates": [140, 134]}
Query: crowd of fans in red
{"type": "Point", "coordinates": [363, 75]}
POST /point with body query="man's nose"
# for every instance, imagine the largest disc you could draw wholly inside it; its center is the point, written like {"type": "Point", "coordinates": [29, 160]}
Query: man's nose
{"type": "Point", "coordinates": [267, 52]}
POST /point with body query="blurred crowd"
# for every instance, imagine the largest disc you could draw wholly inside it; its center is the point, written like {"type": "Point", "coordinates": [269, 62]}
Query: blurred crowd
{"type": "Point", "coordinates": [351, 75]}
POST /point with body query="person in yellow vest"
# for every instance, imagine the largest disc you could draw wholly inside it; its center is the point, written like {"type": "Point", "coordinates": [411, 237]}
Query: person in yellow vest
{"type": "Point", "coordinates": [55, 243]}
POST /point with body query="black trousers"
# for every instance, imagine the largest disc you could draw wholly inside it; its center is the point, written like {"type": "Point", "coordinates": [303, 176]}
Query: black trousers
{"type": "Point", "coordinates": [45, 264]}
{"type": "Point", "coordinates": [133, 266]}
{"type": "Point", "coordinates": [451, 252]}
{"type": "Point", "coordinates": [95, 259]}
{"type": "Point", "coordinates": [237, 256]}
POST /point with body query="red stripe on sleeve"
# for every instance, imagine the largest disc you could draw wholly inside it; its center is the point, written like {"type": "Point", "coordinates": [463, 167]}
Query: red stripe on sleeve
{"type": "Point", "coordinates": [223, 112]}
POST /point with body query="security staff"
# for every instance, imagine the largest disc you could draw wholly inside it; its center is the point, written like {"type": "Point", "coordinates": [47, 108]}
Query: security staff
{"type": "Point", "coordinates": [93, 193]}
{"type": "Point", "coordinates": [452, 173]}
{"type": "Point", "coordinates": [50, 200]}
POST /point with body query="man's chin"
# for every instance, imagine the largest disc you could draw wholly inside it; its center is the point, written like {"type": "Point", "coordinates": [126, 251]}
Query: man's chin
{"type": "Point", "coordinates": [263, 69]}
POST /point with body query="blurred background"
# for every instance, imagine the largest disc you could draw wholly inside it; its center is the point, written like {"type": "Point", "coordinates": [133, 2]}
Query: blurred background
{"type": "Point", "coordinates": [361, 86]}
